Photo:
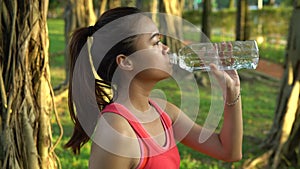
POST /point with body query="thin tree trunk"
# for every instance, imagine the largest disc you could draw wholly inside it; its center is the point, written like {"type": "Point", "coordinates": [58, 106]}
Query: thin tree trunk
{"type": "Point", "coordinates": [271, 2]}
{"type": "Point", "coordinates": [103, 6]}
{"type": "Point", "coordinates": [206, 20]}
{"type": "Point", "coordinates": [128, 3]}
{"type": "Point", "coordinates": [154, 6]}
{"type": "Point", "coordinates": [78, 13]}
{"type": "Point", "coordinates": [173, 7]}
{"type": "Point", "coordinates": [114, 3]}
{"type": "Point", "coordinates": [242, 24]}
{"type": "Point", "coordinates": [204, 37]}
{"type": "Point", "coordinates": [26, 92]}
{"type": "Point", "coordinates": [139, 4]}
{"type": "Point", "coordinates": [154, 9]}
{"type": "Point", "coordinates": [231, 4]}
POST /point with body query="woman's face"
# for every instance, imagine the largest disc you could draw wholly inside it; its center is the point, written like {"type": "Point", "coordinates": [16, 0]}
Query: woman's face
{"type": "Point", "coordinates": [151, 59]}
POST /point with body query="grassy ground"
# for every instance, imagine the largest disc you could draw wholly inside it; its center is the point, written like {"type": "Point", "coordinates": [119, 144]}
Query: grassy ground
{"type": "Point", "coordinates": [259, 99]}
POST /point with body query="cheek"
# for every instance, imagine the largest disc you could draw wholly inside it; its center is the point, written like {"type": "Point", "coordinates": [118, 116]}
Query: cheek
{"type": "Point", "coordinates": [150, 58]}
{"type": "Point", "coordinates": [146, 57]}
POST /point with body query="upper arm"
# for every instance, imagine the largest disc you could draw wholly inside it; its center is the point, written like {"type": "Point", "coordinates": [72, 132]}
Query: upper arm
{"type": "Point", "coordinates": [114, 144]}
{"type": "Point", "coordinates": [188, 132]}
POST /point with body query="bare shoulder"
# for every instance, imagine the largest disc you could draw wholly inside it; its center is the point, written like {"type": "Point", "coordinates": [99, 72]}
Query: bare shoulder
{"type": "Point", "coordinates": [114, 143]}
{"type": "Point", "coordinates": [118, 123]}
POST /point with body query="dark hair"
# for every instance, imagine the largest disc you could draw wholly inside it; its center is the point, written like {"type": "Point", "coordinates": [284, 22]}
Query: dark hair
{"type": "Point", "coordinates": [106, 69]}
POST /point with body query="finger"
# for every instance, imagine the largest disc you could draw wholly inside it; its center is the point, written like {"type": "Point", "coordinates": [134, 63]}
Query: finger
{"type": "Point", "coordinates": [231, 72]}
{"type": "Point", "coordinates": [222, 49]}
{"type": "Point", "coordinates": [230, 53]}
{"type": "Point", "coordinates": [219, 75]}
{"type": "Point", "coordinates": [216, 72]}
{"type": "Point", "coordinates": [224, 53]}
{"type": "Point", "coordinates": [229, 46]}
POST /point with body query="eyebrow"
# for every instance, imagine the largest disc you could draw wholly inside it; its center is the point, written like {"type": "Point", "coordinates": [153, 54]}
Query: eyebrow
{"type": "Point", "coordinates": [154, 35]}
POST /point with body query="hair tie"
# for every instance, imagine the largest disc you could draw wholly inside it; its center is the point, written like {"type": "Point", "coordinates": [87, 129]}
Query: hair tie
{"type": "Point", "coordinates": [91, 30]}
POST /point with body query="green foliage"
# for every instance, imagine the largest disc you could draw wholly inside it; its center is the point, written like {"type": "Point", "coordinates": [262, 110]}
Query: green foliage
{"type": "Point", "coordinates": [273, 20]}
{"type": "Point", "coordinates": [56, 4]}
{"type": "Point", "coordinates": [285, 3]}
{"type": "Point", "coordinates": [56, 8]}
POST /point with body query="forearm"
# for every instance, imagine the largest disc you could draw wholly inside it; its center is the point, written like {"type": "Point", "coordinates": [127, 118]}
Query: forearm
{"type": "Point", "coordinates": [231, 134]}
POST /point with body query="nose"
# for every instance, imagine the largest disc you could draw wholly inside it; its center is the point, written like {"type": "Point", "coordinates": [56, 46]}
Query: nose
{"type": "Point", "coordinates": [165, 48]}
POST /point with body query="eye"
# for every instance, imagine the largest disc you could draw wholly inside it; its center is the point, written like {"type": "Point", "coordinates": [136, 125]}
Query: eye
{"type": "Point", "coordinates": [157, 42]}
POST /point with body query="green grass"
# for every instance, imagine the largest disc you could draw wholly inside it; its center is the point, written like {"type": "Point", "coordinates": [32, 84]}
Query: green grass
{"type": "Point", "coordinates": [56, 50]}
{"type": "Point", "coordinates": [273, 53]}
{"type": "Point", "coordinates": [259, 100]}
{"type": "Point", "coordinates": [56, 35]}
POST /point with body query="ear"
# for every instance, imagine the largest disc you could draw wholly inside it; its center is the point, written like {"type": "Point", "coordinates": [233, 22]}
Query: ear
{"type": "Point", "coordinates": [124, 62]}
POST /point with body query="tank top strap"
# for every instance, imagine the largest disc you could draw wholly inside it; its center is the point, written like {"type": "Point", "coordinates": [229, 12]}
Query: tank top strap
{"type": "Point", "coordinates": [133, 121]}
{"type": "Point", "coordinates": [124, 112]}
{"type": "Point", "coordinates": [164, 116]}
{"type": "Point", "coordinates": [136, 126]}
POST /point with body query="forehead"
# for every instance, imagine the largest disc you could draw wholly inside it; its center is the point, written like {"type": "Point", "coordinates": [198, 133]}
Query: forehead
{"type": "Point", "coordinates": [145, 25]}
{"type": "Point", "coordinates": [145, 28]}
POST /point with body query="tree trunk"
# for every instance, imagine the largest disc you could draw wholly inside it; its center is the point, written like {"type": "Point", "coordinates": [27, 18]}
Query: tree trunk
{"type": "Point", "coordinates": [283, 139]}
{"type": "Point", "coordinates": [109, 4]}
{"type": "Point", "coordinates": [26, 93]}
{"type": "Point", "coordinates": [173, 7]}
{"type": "Point", "coordinates": [242, 23]}
{"type": "Point", "coordinates": [139, 4]}
{"type": "Point", "coordinates": [114, 3]}
{"type": "Point", "coordinates": [129, 3]}
{"type": "Point", "coordinates": [206, 19]}
{"type": "Point", "coordinates": [271, 2]}
{"type": "Point", "coordinates": [103, 6]}
{"type": "Point", "coordinates": [78, 13]}
{"type": "Point", "coordinates": [231, 4]}
{"type": "Point", "coordinates": [154, 6]}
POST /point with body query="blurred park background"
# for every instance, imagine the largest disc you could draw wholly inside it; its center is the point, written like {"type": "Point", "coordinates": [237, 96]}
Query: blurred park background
{"type": "Point", "coordinates": [270, 103]}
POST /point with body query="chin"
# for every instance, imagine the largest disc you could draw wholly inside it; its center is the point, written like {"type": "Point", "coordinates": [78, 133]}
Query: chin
{"type": "Point", "coordinates": [153, 75]}
{"type": "Point", "coordinates": [166, 75]}
{"type": "Point", "coordinates": [159, 75]}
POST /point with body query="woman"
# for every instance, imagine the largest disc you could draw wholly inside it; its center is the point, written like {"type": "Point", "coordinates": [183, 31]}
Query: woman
{"type": "Point", "coordinates": [132, 130]}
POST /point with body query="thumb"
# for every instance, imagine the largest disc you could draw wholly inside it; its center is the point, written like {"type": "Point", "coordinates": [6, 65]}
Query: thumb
{"type": "Point", "coordinates": [215, 70]}
{"type": "Point", "coordinates": [219, 75]}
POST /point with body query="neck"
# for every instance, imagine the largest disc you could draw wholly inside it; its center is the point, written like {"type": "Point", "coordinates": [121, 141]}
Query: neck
{"type": "Point", "coordinates": [136, 94]}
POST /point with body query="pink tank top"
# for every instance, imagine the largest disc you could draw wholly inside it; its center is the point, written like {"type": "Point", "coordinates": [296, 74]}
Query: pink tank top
{"type": "Point", "coordinates": [153, 156]}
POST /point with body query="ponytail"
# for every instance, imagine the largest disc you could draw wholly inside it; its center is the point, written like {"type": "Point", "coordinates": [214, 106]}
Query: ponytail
{"type": "Point", "coordinates": [79, 137]}
{"type": "Point", "coordinates": [103, 87]}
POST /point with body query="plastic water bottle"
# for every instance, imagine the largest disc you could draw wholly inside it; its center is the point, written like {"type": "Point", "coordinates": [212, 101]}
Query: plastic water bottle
{"type": "Point", "coordinates": [231, 55]}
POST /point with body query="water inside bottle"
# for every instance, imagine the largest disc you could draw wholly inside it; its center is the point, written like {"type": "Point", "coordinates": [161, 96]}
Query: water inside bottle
{"type": "Point", "coordinates": [242, 56]}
